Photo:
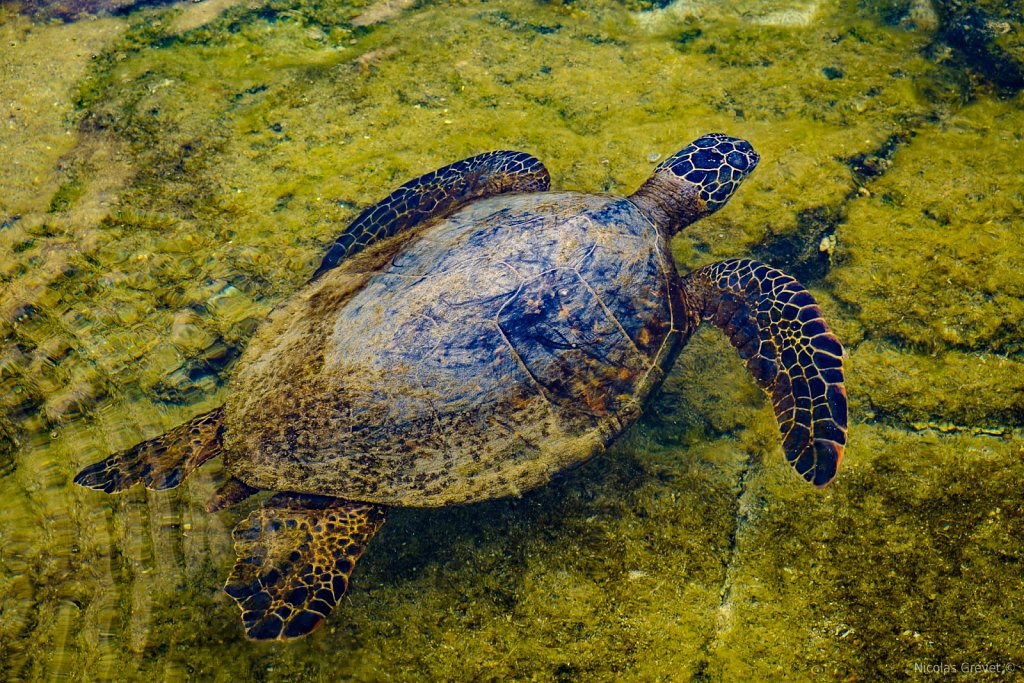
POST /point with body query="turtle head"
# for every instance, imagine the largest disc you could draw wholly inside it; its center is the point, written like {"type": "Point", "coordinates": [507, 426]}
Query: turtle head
{"type": "Point", "coordinates": [695, 181]}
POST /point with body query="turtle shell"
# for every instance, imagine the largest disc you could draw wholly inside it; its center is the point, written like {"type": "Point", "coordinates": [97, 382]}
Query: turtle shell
{"type": "Point", "coordinates": [471, 359]}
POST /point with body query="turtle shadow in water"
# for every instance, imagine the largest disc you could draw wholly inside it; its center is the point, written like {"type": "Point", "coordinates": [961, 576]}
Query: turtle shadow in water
{"type": "Point", "coordinates": [481, 550]}
{"type": "Point", "coordinates": [488, 543]}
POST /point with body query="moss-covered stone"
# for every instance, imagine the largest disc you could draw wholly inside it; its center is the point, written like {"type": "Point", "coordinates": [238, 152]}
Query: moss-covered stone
{"type": "Point", "coordinates": [990, 34]}
{"type": "Point", "coordinates": [947, 387]}
{"type": "Point", "coordinates": [906, 561]}
{"type": "Point", "coordinates": [933, 255]}
{"type": "Point", "coordinates": [7, 448]}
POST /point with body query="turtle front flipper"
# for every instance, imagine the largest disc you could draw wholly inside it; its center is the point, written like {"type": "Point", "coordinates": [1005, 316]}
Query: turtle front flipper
{"type": "Point", "coordinates": [777, 327]}
{"type": "Point", "coordinates": [438, 194]}
{"type": "Point", "coordinates": [160, 463]}
{"type": "Point", "coordinates": [295, 557]}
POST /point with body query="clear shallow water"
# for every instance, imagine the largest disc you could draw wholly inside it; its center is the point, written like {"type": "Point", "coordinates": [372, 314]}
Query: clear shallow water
{"type": "Point", "coordinates": [174, 172]}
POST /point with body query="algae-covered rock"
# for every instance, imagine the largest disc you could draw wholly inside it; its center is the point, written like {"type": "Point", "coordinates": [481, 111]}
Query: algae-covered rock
{"type": "Point", "coordinates": [933, 252]}
{"type": "Point", "coordinates": [960, 389]}
{"type": "Point", "coordinates": [7, 449]}
{"type": "Point", "coordinates": [990, 33]}
{"type": "Point", "coordinates": [907, 561]}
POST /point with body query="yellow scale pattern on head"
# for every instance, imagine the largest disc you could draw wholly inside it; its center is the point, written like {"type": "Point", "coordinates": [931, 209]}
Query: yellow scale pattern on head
{"type": "Point", "coordinates": [715, 163]}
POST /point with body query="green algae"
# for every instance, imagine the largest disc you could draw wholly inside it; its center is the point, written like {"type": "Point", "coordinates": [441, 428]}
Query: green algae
{"type": "Point", "coordinates": [964, 291]}
{"type": "Point", "coordinates": [201, 171]}
{"type": "Point", "coordinates": [39, 68]}
{"type": "Point", "coordinates": [983, 390]}
{"type": "Point", "coordinates": [933, 577]}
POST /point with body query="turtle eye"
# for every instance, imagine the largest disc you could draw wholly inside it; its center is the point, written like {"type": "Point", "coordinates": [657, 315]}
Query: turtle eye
{"type": "Point", "coordinates": [738, 160]}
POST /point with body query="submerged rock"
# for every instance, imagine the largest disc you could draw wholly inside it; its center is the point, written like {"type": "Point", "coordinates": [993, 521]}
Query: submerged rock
{"type": "Point", "coordinates": [990, 34]}
{"type": "Point", "coordinates": [7, 449]}
{"type": "Point", "coordinates": [73, 10]}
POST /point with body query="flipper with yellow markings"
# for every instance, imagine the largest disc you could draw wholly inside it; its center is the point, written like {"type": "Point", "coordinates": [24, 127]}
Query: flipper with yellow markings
{"type": "Point", "coordinates": [438, 194]}
{"type": "Point", "coordinates": [777, 327]}
{"type": "Point", "coordinates": [295, 557]}
{"type": "Point", "coordinates": [160, 463]}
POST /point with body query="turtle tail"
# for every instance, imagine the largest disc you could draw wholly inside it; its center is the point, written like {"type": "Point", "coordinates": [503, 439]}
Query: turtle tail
{"type": "Point", "coordinates": [777, 327]}
{"type": "Point", "coordinates": [160, 463]}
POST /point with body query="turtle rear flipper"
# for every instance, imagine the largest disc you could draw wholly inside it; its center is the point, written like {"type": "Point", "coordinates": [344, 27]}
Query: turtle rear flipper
{"type": "Point", "coordinates": [438, 194]}
{"type": "Point", "coordinates": [160, 463]}
{"type": "Point", "coordinates": [777, 327]}
{"type": "Point", "coordinates": [233, 491]}
{"type": "Point", "coordinates": [295, 557]}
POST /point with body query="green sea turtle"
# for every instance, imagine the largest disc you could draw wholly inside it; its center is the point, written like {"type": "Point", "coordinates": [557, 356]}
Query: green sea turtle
{"type": "Point", "coordinates": [466, 338]}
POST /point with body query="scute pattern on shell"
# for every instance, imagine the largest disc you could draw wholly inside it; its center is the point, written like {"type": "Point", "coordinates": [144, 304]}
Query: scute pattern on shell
{"type": "Point", "coordinates": [500, 346]}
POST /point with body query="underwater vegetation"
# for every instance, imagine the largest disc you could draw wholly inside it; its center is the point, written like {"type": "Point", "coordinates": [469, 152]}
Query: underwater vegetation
{"type": "Point", "coordinates": [173, 172]}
